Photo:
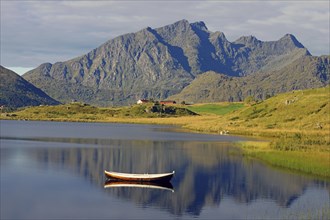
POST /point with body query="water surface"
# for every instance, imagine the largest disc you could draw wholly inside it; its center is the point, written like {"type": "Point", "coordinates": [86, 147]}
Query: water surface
{"type": "Point", "coordinates": [54, 170]}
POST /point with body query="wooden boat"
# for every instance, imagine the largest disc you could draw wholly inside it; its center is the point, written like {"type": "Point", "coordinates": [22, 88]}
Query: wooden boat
{"type": "Point", "coordinates": [134, 184]}
{"type": "Point", "coordinates": [161, 177]}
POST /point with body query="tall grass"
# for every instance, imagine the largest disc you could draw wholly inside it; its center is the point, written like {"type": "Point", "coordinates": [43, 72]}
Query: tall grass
{"type": "Point", "coordinates": [314, 160]}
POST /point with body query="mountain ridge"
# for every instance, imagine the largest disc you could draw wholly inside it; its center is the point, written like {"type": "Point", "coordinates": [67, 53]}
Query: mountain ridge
{"type": "Point", "coordinates": [16, 92]}
{"type": "Point", "coordinates": [159, 62]}
{"type": "Point", "coordinates": [306, 72]}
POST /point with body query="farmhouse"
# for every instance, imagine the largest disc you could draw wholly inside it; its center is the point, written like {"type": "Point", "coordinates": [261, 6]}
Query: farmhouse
{"type": "Point", "coordinates": [141, 101]}
{"type": "Point", "coordinates": [167, 102]}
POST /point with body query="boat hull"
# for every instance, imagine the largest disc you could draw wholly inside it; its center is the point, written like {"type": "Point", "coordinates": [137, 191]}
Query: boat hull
{"type": "Point", "coordinates": [162, 177]}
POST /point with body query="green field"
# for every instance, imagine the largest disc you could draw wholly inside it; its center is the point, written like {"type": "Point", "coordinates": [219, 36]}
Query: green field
{"type": "Point", "coordinates": [215, 108]}
{"type": "Point", "coordinates": [83, 112]}
{"type": "Point", "coordinates": [303, 111]}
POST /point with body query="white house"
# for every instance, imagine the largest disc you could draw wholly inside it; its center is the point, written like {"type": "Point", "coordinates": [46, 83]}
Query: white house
{"type": "Point", "coordinates": [141, 101]}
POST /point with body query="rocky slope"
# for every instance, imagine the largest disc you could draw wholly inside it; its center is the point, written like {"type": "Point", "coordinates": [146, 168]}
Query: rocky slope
{"type": "Point", "coordinates": [17, 92]}
{"type": "Point", "coordinates": [158, 63]}
{"type": "Point", "coordinates": [305, 72]}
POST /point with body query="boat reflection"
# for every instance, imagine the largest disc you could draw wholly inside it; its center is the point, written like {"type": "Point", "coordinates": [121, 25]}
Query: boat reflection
{"type": "Point", "coordinates": [135, 184]}
{"type": "Point", "coordinates": [207, 173]}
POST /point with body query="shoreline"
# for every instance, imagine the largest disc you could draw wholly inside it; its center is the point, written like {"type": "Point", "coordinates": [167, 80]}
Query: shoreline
{"type": "Point", "coordinates": [303, 161]}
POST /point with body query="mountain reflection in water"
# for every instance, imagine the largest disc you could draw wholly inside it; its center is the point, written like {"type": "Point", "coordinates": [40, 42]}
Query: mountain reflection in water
{"type": "Point", "coordinates": [55, 170]}
{"type": "Point", "coordinates": [205, 172]}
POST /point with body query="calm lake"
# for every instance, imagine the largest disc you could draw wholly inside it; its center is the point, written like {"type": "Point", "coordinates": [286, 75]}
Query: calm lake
{"type": "Point", "coordinates": [54, 170]}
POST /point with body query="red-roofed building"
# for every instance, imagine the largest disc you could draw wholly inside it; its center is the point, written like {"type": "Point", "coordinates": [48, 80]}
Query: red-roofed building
{"type": "Point", "coordinates": [167, 102]}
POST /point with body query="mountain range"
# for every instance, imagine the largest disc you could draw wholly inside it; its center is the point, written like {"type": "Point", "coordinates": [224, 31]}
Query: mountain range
{"type": "Point", "coordinates": [159, 63]}
{"type": "Point", "coordinates": [16, 92]}
{"type": "Point", "coordinates": [305, 72]}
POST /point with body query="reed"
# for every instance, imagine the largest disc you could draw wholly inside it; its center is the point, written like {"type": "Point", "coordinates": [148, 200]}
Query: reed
{"type": "Point", "coordinates": [314, 160]}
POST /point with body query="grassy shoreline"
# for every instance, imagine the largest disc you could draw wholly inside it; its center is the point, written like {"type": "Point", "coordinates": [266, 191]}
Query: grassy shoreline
{"type": "Point", "coordinates": [307, 161]}
{"type": "Point", "coordinates": [298, 133]}
{"type": "Point", "coordinates": [311, 162]}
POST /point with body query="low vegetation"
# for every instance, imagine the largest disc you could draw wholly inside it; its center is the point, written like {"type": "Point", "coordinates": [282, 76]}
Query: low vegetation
{"type": "Point", "coordinates": [215, 108]}
{"type": "Point", "coordinates": [83, 112]}
{"type": "Point", "coordinates": [296, 124]}
{"type": "Point", "coordinates": [315, 160]}
{"type": "Point", "coordinates": [305, 111]}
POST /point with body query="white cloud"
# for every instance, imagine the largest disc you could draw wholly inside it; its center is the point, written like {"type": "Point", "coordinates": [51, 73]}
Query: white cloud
{"type": "Point", "coordinates": [34, 32]}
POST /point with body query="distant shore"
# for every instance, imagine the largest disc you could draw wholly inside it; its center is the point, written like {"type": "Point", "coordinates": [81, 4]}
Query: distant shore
{"type": "Point", "coordinates": [296, 133]}
{"type": "Point", "coordinates": [312, 161]}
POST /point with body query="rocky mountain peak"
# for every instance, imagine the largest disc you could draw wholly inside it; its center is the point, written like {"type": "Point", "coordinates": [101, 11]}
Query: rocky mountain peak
{"type": "Point", "coordinates": [149, 29]}
{"type": "Point", "coordinates": [182, 24]}
{"type": "Point", "coordinates": [219, 36]}
{"type": "Point", "coordinates": [157, 63]}
{"type": "Point", "coordinates": [247, 40]}
{"type": "Point", "coordinates": [291, 40]}
{"type": "Point", "coordinates": [200, 25]}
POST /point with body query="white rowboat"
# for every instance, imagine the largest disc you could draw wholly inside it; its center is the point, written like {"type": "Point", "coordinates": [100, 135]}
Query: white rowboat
{"type": "Point", "coordinates": [160, 177]}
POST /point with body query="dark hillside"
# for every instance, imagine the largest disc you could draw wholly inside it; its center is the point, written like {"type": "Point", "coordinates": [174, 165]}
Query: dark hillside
{"type": "Point", "coordinates": [16, 92]}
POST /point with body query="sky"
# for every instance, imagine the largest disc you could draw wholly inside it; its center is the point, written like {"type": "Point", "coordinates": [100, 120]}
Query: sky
{"type": "Point", "coordinates": [38, 31]}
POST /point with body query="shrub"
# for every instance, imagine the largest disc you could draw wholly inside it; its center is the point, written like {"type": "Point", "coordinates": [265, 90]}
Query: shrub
{"type": "Point", "coordinates": [250, 100]}
{"type": "Point", "coordinates": [234, 118]}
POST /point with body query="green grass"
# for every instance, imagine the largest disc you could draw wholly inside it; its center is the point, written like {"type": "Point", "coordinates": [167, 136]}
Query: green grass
{"type": "Point", "coordinates": [314, 161]}
{"type": "Point", "coordinates": [303, 111]}
{"type": "Point", "coordinates": [298, 123]}
{"type": "Point", "coordinates": [85, 112]}
{"type": "Point", "coordinates": [216, 108]}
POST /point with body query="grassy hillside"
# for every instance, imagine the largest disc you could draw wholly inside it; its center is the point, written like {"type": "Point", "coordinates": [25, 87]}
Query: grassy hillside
{"type": "Point", "coordinates": [297, 125]}
{"type": "Point", "coordinates": [305, 111]}
{"type": "Point", "coordinates": [84, 112]}
{"type": "Point", "coordinates": [215, 108]}
{"type": "Point", "coordinates": [297, 111]}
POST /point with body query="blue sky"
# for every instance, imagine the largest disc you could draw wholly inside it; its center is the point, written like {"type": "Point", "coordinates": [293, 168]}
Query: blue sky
{"type": "Point", "coordinates": [34, 32]}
